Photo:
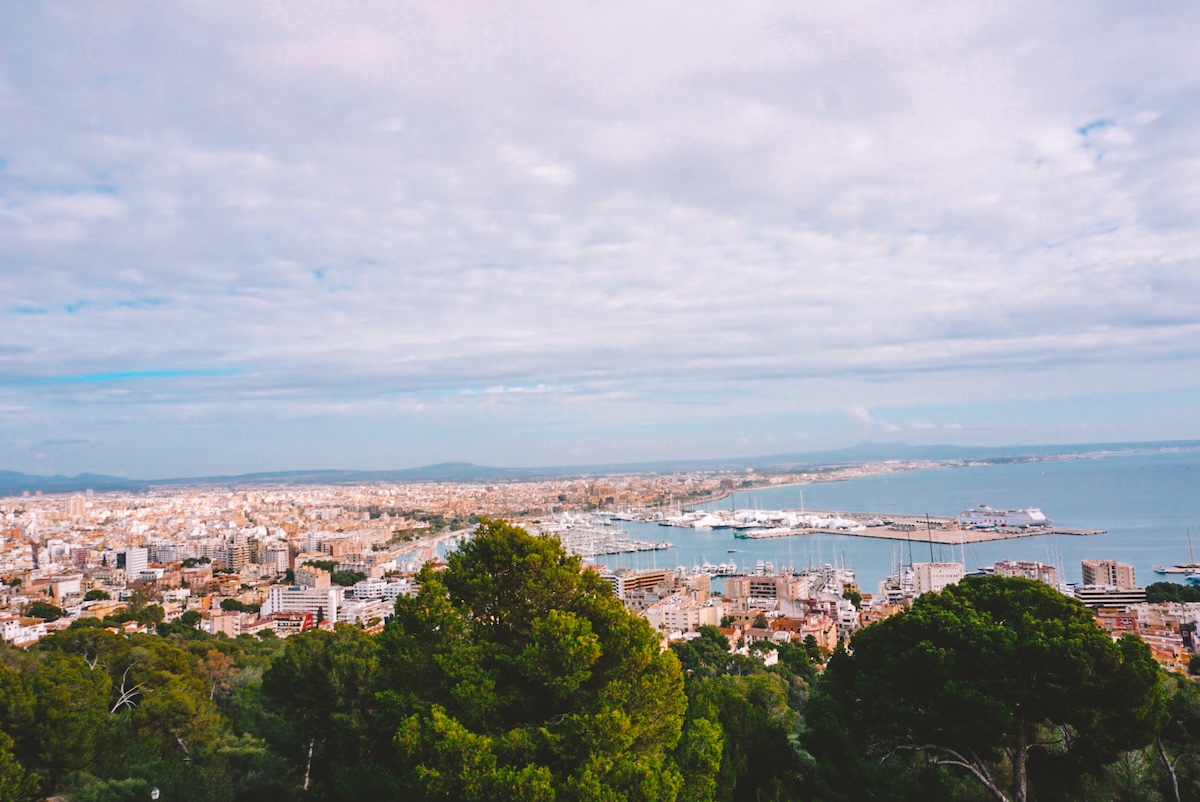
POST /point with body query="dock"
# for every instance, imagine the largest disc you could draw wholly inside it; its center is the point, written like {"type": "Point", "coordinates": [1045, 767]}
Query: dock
{"type": "Point", "coordinates": [936, 529]}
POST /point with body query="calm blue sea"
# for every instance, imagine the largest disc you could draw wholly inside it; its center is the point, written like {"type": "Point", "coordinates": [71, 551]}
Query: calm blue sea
{"type": "Point", "coordinates": [1146, 502]}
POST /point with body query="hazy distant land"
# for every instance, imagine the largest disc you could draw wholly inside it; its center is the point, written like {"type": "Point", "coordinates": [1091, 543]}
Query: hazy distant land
{"type": "Point", "coordinates": [863, 454]}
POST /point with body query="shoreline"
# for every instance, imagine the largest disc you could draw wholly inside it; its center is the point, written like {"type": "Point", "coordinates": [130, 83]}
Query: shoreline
{"type": "Point", "coordinates": [847, 473]}
{"type": "Point", "coordinates": [859, 471]}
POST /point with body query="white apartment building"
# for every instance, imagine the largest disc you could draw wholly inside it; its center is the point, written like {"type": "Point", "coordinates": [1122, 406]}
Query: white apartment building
{"type": "Point", "coordinates": [22, 632]}
{"type": "Point", "coordinates": [1036, 571]}
{"type": "Point", "coordinates": [682, 613]}
{"type": "Point", "coordinates": [362, 611]}
{"type": "Point", "coordinates": [133, 561]}
{"type": "Point", "coordinates": [383, 589]}
{"type": "Point", "coordinates": [323, 602]}
{"type": "Point", "coordinates": [933, 577]}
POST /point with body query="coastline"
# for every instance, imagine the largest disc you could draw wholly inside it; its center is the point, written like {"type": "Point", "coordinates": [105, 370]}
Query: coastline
{"type": "Point", "coordinates": [846, 473]}
{"type": "Point", "coordinates": [856, 471]}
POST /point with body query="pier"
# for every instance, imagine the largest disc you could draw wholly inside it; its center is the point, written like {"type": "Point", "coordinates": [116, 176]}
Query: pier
{"type": "Point", "coordinates": [927, 529]}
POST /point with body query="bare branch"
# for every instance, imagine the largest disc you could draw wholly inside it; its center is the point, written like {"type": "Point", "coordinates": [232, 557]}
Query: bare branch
{"type": "Point", "coordinates": [127, 695]}
{"type": "Point", "coordinates": [952, 758]}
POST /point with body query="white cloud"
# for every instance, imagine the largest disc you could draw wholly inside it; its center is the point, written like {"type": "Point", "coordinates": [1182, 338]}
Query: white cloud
{"type": "Point", "coordinates": [635, 209]}
{"type": "Point", "coordinates": [860, 413]}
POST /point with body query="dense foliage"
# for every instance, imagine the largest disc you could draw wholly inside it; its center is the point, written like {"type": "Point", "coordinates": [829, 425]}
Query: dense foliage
{"type": "Point", "coordinates": [1004, 680]}
{"type": "Point", "coordinates": [106, 717]}
{"type": "Point", "coordinates": [1172, 592]}
{"type": "Point", "coordinates": [511, 674]}
{"type": "Point", "coordinates": [515, 675]}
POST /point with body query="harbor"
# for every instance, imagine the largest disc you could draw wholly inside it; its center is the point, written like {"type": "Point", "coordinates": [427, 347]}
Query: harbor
{"type": "Point", "coordinates": [981, 525]}
{"type": "Point", "coordinates": [941, 531]}
{"type": "Point", "coordinates": [590, 535]}
{"type": "Point", "coordinates": [1141, 513]}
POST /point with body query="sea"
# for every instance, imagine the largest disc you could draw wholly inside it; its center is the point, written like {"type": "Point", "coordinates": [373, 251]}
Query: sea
{"type": "Point", "coordinates": [1147, 503]}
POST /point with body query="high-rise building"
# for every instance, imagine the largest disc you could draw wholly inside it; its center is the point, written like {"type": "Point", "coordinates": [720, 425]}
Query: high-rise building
{"type": "Point", "coordinates": [75, 507]}
{"type": "Point", "coordinates": [1109, 573]}
{"type": "Point", "coordinates": [237, 552]}
{"type": "Point", "coordinates": [133, 561]}
{"type": "Point", "coordinates": [275, 556]}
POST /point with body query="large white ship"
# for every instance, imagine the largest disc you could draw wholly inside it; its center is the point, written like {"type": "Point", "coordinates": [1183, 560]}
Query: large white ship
{"type": "Point", "coordinates": [985, 516]}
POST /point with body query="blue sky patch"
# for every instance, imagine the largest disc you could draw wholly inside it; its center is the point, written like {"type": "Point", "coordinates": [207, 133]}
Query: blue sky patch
{"type": "Point", "coordinates": [129, 375]}
{"type": "Point", "coordinates": [1095, 125]}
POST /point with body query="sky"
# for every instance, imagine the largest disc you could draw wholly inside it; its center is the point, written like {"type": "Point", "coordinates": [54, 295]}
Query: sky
{"type": "Point", "coordinates": [243, 236]}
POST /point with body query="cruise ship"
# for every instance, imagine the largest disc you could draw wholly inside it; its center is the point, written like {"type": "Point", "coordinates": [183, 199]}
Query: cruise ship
{"type": "Point", "coordinates": [984, 516]}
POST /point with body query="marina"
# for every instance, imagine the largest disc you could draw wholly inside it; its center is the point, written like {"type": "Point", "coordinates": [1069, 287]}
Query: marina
{"type": "Point", "coordinates": [1139, 504]}
{"type": "Point", "coordinates": [594, 536]}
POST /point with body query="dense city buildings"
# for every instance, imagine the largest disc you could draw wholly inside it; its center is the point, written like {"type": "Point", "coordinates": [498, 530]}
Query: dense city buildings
{"type": "Point", "coordinates": [287, 559]}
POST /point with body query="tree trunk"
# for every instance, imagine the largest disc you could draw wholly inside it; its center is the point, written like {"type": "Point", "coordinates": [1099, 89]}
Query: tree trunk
{"type": "Point", "coordinates": [1020, 779]}
{"type": "Point", "coordinates": [308, 766]}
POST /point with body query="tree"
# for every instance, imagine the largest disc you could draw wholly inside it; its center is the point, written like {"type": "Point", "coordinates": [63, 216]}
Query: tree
{"type": "Point", "coordinates": [517, 675]}
{"type": "Point", "coordinates": [751, 715]}
{"type": "Point", "coordinates": [995, 677]}
{"type": "Point", "coordinates": [236, 605]}
{"type": "Point", "coordinates": [1171, 592]}
{"type": "Point", "coordinates": [96, 595]}
{"type": "Point", "coordinates": [44, 610]}
{"type": "Point", "coordinates": [347, 578]}
{"type": "Point", "coordinates": [1178, 743]}
{"type": "Point", "coordinates": [71, 714]}
{"type": "Point", "coordinates": [322, 685]}
{"type": "Point", "coordinates": [16, 785]}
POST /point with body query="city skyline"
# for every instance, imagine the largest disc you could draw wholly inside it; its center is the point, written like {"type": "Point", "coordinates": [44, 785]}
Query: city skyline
{"type": "Point", "coordinates": [241, 238]}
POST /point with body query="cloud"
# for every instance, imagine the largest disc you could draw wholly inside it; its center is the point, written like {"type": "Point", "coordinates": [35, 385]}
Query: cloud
{"type": "Point", "coordinates": [640, 215]}
{"type": "Point", "coordinates": [540, 389]}
{"type": "Point", "coordinates": [861, 413]}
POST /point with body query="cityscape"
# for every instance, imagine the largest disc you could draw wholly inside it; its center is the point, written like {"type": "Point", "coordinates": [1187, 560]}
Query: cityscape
{"type": "Point", "coordinates": [620, 402]}
{"type": "Point", "coordinates": [291, 559]}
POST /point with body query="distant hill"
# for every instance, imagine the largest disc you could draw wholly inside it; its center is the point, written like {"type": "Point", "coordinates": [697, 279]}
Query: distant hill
{"type": "Point", "coordinates": [13, 483]}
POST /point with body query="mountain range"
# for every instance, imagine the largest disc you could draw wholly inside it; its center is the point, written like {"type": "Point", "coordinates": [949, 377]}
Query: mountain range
{"type": "Point", "coordinates": [15, 483]}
